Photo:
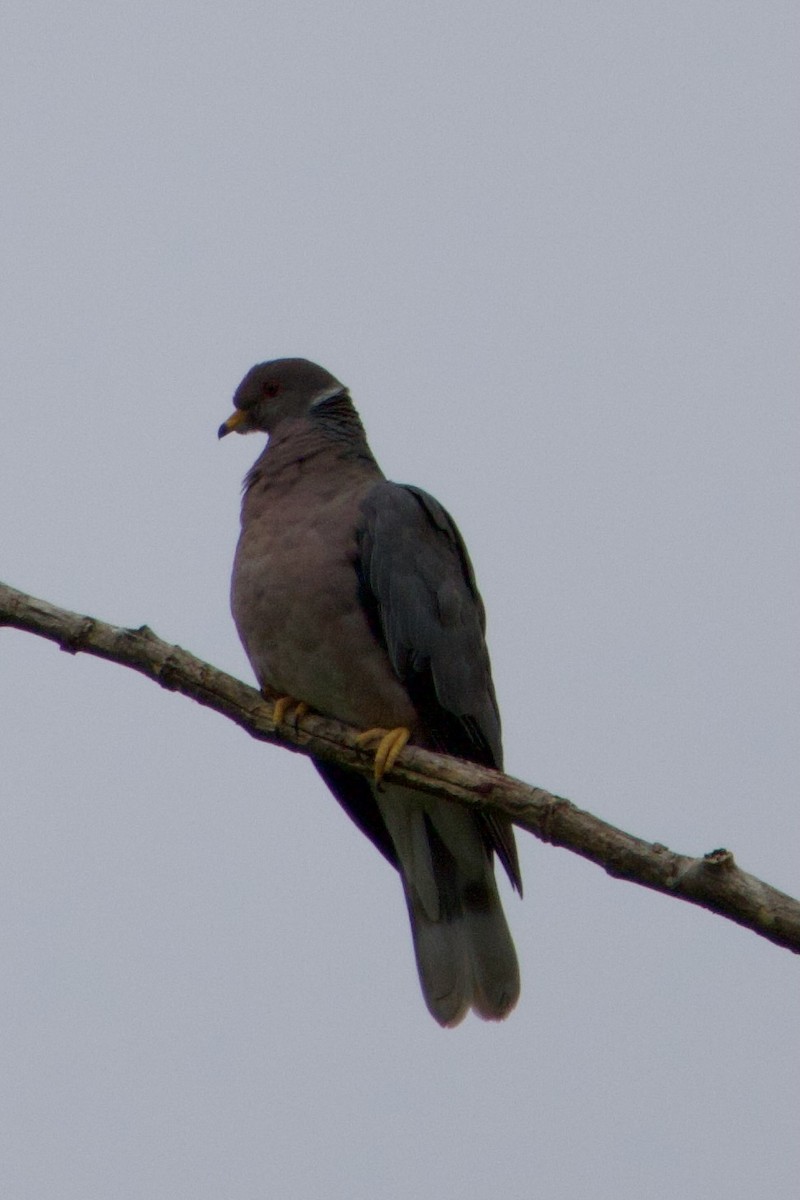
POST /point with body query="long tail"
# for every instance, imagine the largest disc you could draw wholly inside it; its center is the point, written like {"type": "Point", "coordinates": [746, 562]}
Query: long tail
{"type": "Point", "coordinates": [465, 956]}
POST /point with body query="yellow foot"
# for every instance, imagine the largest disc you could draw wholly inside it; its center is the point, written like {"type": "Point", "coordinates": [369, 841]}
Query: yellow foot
{"type": "Point", "coordinates": [390, 743]}
{"type": "Point", "coordinates": [283, 705]}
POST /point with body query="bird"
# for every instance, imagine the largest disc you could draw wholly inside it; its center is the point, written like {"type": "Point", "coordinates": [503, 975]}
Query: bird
{"type": "Point", "coordinates": [354, 597]}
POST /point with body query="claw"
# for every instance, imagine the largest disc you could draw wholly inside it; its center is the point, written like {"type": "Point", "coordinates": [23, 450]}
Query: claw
{"type": "Point", "coordinates": [282, 706]}
{"type": "Point", "coordinates": [390, 743]}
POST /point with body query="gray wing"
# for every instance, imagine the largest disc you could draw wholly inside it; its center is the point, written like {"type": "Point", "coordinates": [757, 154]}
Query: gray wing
{"type": "Point", "coordinates": [418, 589]}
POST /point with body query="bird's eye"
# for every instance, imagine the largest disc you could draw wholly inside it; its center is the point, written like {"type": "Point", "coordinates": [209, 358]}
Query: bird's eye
{"type": "Point", "coordinates": [271, 389]}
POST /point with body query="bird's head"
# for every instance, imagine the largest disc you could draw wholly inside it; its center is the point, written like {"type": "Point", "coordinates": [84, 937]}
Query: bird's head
{"type": "Point", "coordinates": [275, 391]}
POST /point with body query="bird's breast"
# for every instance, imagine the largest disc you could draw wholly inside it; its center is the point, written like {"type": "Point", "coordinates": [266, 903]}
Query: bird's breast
{"type": "Point", "coordinates": [296, 603]}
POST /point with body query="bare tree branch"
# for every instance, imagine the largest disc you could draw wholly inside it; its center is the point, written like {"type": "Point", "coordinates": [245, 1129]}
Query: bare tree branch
{"type": "Point", "coordinates": [714, 881]}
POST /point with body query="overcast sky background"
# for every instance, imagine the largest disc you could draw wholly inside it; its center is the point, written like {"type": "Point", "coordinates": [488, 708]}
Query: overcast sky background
{"type": "Point", "coordinates": [553, 250]}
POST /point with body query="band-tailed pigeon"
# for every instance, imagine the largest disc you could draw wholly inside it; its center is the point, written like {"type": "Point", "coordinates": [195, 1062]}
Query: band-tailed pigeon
{"type": "Point", "coordinates": [355, 597]}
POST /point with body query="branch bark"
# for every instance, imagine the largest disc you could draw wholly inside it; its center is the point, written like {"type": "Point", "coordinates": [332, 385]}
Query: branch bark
{"type": "Point", "coordinates": [713, 881]}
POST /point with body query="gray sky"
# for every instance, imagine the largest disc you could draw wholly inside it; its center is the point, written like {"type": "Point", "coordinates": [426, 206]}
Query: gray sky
{"type": "Point", "coordinates": [553, 250]}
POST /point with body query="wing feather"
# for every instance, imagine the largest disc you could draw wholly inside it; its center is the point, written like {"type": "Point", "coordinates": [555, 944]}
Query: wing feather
{"type": "Point", "coordinates": [418, 588]}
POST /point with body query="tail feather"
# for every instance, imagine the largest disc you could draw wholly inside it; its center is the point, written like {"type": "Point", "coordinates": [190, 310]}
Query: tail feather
{"type": "Point", "coordinates": [465, 961]}
{"type": "Point", "coordinates": [465, 955]}
{"type": "Point", "coordinates": [495, 972]}
{"type": "Point", "coordinates": [443, 963]}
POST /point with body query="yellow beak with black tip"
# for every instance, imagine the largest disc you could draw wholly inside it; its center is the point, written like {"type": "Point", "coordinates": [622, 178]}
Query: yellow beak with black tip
{"type": "Point", "coordinates": [237, 418]}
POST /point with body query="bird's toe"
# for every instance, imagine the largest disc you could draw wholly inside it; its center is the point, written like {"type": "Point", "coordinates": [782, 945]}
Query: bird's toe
{"type": "Point", "coordinates": [389, 744]}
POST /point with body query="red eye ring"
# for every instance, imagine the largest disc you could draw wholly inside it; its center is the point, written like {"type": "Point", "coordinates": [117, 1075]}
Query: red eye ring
{"type": "Point", "coordinates": [271, 389]}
